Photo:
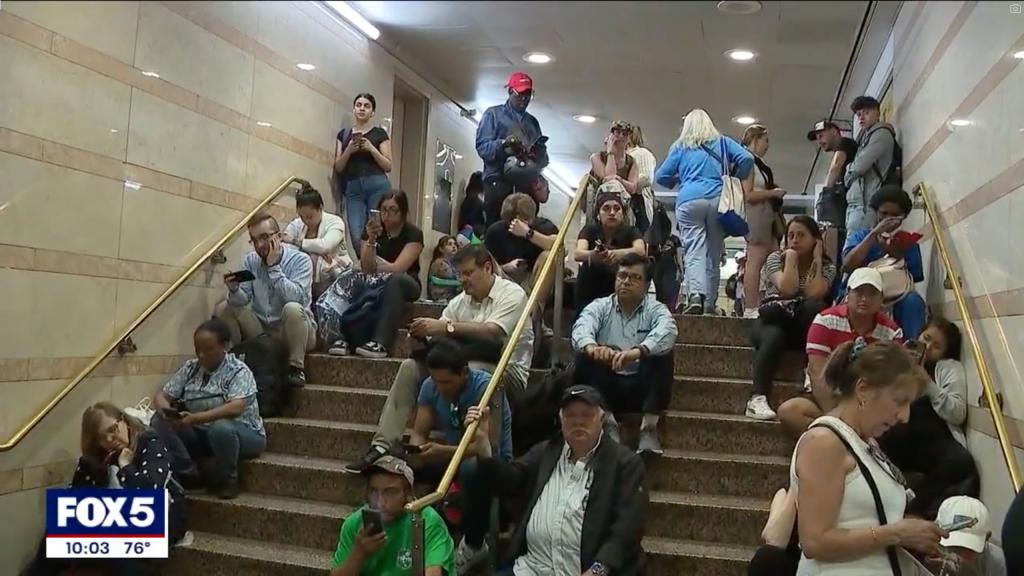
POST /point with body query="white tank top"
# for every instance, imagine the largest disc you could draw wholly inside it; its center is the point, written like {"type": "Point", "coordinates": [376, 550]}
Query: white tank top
{"type": "Point", "coordinates": [857, 509]}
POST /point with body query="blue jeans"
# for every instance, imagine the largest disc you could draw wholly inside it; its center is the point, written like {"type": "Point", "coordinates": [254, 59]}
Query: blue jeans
{"type": "Point", "coordinates": [702, 238]}
{"type": "Point", "coordinates": [911, 314]}
{"type": "Point", "coordinates": [362, 194]}
{"type": "Point", "coordinates": [859, 217]}
{"type": "Point", "coordinates": [226, 440]}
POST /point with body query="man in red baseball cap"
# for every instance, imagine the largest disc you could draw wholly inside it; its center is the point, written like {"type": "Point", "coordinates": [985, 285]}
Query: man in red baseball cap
{"type": "Point", "coordinates": [509, 131]}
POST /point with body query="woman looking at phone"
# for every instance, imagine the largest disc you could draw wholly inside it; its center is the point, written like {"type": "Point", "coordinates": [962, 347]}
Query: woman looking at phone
{"type": "Point", "coordinates": [362, 159]}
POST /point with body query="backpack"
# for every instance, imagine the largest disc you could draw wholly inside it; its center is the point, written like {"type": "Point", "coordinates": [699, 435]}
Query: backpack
{"type": "Point", "coordinates": [894, 175]}
{"type": "Point", "coordinates": [730, 286]}
{"type": "Point", "coordinates": [660, 229]}
{"type": "Point", "coordinates": [267, 358]}
{"type": "Point", "coordinates": [535, 410]}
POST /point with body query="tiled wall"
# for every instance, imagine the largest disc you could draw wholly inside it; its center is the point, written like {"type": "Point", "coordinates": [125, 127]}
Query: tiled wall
{"type": "Point", "coordinates": [82, 252]}
{"type": "Point", "coordinates": [954, 60]}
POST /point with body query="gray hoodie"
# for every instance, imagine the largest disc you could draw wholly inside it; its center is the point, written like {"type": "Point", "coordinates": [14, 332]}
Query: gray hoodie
{"type": "Point", "coordinates": [875, 148]}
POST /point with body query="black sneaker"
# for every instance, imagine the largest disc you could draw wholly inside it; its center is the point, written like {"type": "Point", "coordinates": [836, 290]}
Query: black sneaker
{"type": "Point", "coordinates": [192, 480]}
{"type": "Point", "coordinates": [694, 305]}
{"type": "Point", "coordinates": [372, 350]}
{"type": "Point", "coordinates": [296, 377]}
{"type": "Point", "coordinates": [228, 490]}
{"type": "Point", "coordinates": [372, 454]}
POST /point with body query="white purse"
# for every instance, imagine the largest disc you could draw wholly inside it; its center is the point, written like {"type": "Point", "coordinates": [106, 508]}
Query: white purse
{"type": "Point", "coordinates": [897, 281]}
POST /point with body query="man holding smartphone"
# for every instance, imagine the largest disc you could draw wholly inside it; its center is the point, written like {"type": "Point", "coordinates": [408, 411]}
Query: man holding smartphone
{"type": "Point", "coordinates": [274, 297]}
{"type": "Point", "coordinates": [377, 539]}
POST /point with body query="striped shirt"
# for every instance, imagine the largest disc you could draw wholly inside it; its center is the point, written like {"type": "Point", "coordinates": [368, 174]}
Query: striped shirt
{"type": "Point", "coordinates": [776, 262]}
{"type": "Point", "coordinates": [554, 532]}
{"type": "Point", "coordinates": [831, 328]}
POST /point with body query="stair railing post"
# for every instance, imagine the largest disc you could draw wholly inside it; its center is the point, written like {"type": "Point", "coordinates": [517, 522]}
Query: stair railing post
{"type": "Point", "coordinates": [556, 330]}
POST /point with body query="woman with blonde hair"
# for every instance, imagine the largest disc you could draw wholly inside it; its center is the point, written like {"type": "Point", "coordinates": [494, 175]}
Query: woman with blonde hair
{"type": "Point", "coordinates": [694, 168]}
{"type": "Point", "coordinates": [764, 216]}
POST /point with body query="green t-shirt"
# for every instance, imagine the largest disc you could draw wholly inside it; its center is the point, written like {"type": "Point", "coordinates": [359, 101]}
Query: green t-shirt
{"type": "Point", "coordinates": [395, 558]}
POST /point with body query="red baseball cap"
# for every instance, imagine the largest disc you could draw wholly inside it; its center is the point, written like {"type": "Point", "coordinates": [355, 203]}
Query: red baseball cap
{"type": "Point", "coordinates": [519, 82]}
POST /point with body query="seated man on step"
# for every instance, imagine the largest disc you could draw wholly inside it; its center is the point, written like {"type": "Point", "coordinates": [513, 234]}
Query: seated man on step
{"type": "Point", "coordinates": [444, 400]}
{"type": "Point", "coordinates": [368, 547]}
{"type": "Point", "coordinates": [277, 300]}
{"type": "Point", "coordinates": [481, 320]}
{"type": "Point", "coordinates": [623, 345]}
{"type": "Point", "coordinates": [586, 502]}
{"type": "Point", "coordinates": [862, 316]}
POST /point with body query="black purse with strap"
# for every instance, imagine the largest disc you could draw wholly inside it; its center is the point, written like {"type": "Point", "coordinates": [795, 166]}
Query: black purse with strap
{"type": "Point", "coordinates": [890, 551]}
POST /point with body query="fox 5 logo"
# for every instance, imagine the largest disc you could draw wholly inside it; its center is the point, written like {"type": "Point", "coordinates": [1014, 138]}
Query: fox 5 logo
{"type": "Point", "coordinates": [106, 512]}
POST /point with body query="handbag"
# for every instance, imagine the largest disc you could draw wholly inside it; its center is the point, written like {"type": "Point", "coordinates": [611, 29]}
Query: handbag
{"type": "Point", "coordinates": [890, 551]}
{"type": "Point", "coordinates": [896, 279]}
{"type": "Point", "coordinates": [778, 311]}
{"type": "Point", "coordinates": [731, 205]}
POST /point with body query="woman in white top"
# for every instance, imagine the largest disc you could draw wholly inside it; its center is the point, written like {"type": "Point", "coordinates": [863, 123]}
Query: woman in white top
{"type": "Point", "coordinates": [840, 531]}
{"type": "Point", "coordinates": [319, 234]}
{"type": "Point", "coordinates": [645, 162]}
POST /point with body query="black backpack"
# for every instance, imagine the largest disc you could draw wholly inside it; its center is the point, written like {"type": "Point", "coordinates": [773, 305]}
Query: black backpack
{"type": "Point", "coordinates": [267, 358]}
{"type": "Point", "coordinates": [535, 411]}
{"type": "Point", "coordinates": [894, 175]}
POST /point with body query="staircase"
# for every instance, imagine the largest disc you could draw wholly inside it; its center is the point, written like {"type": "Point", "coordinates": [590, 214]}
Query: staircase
{"type": "Point", "coordinates": [709, 493]}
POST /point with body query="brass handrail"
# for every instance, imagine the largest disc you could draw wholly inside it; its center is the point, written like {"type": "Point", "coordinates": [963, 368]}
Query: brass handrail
{"type": "Point", "coordinates": [554, 258]}
{"type": "Point", "coordinates": [134, 324]}
{"type": "Point", "coordinates": [984, 374]}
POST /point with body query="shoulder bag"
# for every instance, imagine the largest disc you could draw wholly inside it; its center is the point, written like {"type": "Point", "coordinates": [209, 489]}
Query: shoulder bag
{"type": "Point", "coordinates": [731, 205]}
{"type": "Point", "coordinates": [896, 279]}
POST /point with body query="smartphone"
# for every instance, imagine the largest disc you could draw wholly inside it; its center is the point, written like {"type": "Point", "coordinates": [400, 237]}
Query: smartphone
{"type": "Point", "coordinates": [959, 523]}
{"type": "Point", "coordinates": [410, 449]}
{"type": "Point", "coordinates": [373, 521]}
{"type": "Point", "coordinates": [171, 414]}
{"type": "Point", "coordinates": [917, 349]}
{"type": "Point", "coordinates": [240, 276]}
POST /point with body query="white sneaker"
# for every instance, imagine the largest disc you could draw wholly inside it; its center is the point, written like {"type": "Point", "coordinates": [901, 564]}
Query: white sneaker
{"type": "Point", "coordinates": [467, 559]}
{"type": "Point", "coordinates": [750, 313]}
{"type": "Point", "coordinates": [758, 408]}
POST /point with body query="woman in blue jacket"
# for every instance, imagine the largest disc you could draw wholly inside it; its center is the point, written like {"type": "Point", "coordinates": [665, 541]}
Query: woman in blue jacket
{"type": "Point", "coordinates": [694, 168]}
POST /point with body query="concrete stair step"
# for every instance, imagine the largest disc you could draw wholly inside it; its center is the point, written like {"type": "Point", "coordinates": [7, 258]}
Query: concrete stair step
{"type": "Point", "coordinates": [359, 372]}
{"type": "Point", "coordinates": [220, 555]}
{"type": "Point", "coordinates": [313, 524]}
{"type": "Point", "coordinates": [324, 480]}
{"type": "Point", "coordinates": [680, 430]}
{"type": "Point", "coordinates": [363, 405]}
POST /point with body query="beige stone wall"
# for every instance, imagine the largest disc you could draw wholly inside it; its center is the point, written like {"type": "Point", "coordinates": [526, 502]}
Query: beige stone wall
{"type": "Point", "coordinates": [115, 180]}
{"type": "Point", "coordinates": [954, 60]}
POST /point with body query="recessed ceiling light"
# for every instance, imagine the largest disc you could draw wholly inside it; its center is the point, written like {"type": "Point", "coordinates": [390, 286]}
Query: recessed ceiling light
{"type": "Point", "coordinates": [960, 122]}
{"type": "Point", "coordinates": [745, 120]}
{"type": "Point", "coordinates": [1019, 55]}
{"type": "Point", "coordinates": [585, 118]}
{"type": "Point", "coordinates": [538, 57]}
{"type": "Point", "coordinates": [113, 130]}
{"type": "Point", "coordinates": [150, 74]}
{"type": "Point", "coordinates": [739, 6]}
{"type": "Point", "coordinates": [305, 66]}
{"type": "Point", "coordinates": [740, 54]}
{"type": "Point", "coordinates": [264, 124]}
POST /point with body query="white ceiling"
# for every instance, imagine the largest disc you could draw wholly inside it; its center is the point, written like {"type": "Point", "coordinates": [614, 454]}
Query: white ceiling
{"type": "Point", "coordinates": [645, 62]}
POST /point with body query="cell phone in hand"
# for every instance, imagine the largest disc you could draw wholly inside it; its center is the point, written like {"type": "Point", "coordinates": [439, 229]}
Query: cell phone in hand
{"type": "Point", "coordinates": [917, 349]}
{"type": "Point", "coordinates": [240, 276]}
{"type": "Point", "coordinates": [959, 523]}
{"type": "Point", "coordinates": [171, 414]}
{"type": "Point", "coordinates": [411, 449]}
{"type": "Point", "coordinates": [373, 521]}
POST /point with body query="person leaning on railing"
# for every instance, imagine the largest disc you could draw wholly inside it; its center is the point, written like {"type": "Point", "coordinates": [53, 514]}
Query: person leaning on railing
{"type": "Point", "coordinates": [277, 300]}
{"type": "Point", "coordinates": [586, 499]}
{"type": "Point", "coordinates": [623, 345]}
{"type": "Point", "coordinates": [363, 550]}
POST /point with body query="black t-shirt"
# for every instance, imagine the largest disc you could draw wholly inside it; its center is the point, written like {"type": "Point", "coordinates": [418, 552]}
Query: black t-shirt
{"type": "Point", "coordinates": [622, 238]}
{"type": "Point", "coordinates": [389, 248]}
{"type": "Point", "coordinates": [505, 246]}
{"type": "Point", "coordinates": [362, 164]}
{"type": "Point", "coordinates": [847, 146]}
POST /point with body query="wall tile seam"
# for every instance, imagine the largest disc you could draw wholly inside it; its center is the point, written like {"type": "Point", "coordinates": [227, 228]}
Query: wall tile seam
{"type": "Point", "coordinates": [16, 370]}
{"type": "Point", "coordinates": [50, 475]}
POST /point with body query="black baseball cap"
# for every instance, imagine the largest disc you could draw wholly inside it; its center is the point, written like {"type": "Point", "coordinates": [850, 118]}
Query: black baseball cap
{"type": "Point", "coordinates": [821, 125]}
{"type": "Point", "coordinates": [862, 102]}
{"type": "Point", "coordinates": [582, 393]}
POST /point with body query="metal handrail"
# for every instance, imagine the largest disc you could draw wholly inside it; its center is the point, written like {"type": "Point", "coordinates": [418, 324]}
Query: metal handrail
{"type": "Point", "coordinates": [987, 386]}
{"type": "Point", "coordinates": [555, 258]}
{"type": "Point", "coordinates": [134, 324]}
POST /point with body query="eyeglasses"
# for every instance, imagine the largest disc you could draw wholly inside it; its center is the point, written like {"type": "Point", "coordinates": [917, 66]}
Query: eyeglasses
{"type": "Point", "coordinates": [390, 210]}
{"type": "Point", "coordinates": [891, 468]}
{"type": "Point", "coordinates": [624, 276]}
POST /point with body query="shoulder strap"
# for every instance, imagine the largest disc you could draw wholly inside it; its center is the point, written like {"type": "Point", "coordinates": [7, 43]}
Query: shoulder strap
{"type": "Point", "coordinates": [890, 551]}
{"type": "Point", "coordinates": [720, 159]}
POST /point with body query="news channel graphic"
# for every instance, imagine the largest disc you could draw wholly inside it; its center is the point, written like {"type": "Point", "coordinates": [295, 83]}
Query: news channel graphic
{"type": "Point", "coordinates": [106, 523]}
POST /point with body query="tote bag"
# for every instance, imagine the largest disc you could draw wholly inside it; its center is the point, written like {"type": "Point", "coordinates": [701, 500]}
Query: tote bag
{"type": "Point", "coordinates": [731, 207]}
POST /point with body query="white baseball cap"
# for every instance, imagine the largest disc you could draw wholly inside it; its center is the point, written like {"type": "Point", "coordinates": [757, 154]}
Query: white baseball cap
{"type": "Point", "coordinates": [865, 277]}
{"type": "Point", "coordinates": [956, 508]}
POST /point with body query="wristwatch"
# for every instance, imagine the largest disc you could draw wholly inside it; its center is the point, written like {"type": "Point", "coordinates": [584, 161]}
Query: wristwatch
{"type": "Point", "coordinates": [449, 327]}
{"type": "Point", "coordinates": [598, 569]}
{"type": "Point", "coordinates": [529, 233]}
